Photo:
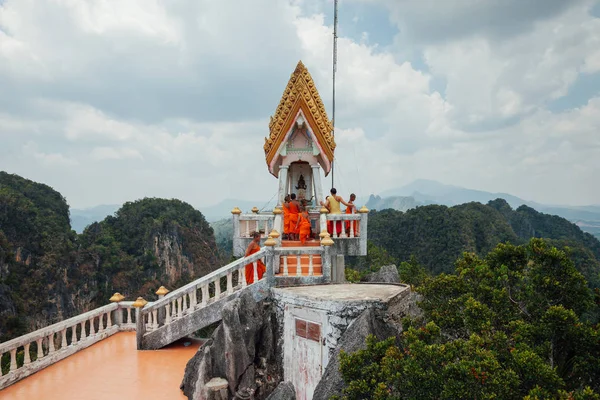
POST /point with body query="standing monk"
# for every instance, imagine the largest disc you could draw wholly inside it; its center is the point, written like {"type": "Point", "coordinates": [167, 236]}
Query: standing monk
{"type": "Point", "coordinates": [253, 247]}
{"type": "Point", "coordinates": [294, 211]}
{"type": "Point", "coordinates": [286, 216]}
{"type": "Point", "coordinates": [333, 206]}
{"type": "Point", "coordinates": [303, 225]}
{"type": "Point", "coordinates": [351, 210]}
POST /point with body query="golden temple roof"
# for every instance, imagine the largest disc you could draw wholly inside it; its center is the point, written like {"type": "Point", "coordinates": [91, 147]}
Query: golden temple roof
{"type": "Point", "coordinates": [300, 94]}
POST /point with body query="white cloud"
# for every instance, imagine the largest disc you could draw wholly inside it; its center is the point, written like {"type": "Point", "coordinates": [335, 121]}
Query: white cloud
{"type": "Point", "coordinates": [172, 99]}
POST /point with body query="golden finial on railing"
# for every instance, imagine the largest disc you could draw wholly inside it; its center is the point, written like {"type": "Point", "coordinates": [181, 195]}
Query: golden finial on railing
{"type": "Point", "coordinates": [363, 210]}
{"type": "Point", "coordinates": [162, 291]}
{"type": "Point", "coordinates": [270, 241]}
{"type": "Point", "coordinates": [274, 234]}
{"type": "Point", "coordinates": [326, 240]}
{"type": "Point", "coordinates": [323, 210]}
{"type": "Point", "coordinates": [255, 210]}
{"type": "Point", "coordinates": [139, 303]}
{"type": "Point", "coordinates": [117, 297]}
{"type": "Point", "coordinates": [277, 211]}
{"type": "Point", "coordinates": [236, 211]}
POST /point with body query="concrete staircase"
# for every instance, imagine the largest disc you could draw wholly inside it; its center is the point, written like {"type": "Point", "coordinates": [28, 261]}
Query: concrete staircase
{"type": "Point", "coordinates": [198, 304]}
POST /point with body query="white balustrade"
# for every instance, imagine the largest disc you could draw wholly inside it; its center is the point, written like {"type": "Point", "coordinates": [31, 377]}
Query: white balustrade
{"type": "Point", "coordinates": [184, 300]}
{"type": "Point", "coordinates": [46, 353]}
{"type": "Point", "coordinates": [296, 257]}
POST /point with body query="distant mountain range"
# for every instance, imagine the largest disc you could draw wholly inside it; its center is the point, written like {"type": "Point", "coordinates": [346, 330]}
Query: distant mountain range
{"type": "Point", "coordinates": [418, 193]}
{"type": "Point", "coordinates": [80, 218]}
{"type": "Point", "coordinates": [425, 192]}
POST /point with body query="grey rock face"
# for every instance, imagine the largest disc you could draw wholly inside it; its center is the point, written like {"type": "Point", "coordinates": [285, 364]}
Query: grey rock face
{"type": "Point", "coordinates": [284, 391]}
{"type": "Point", "coordinates": [387, 274]}
{"type": "Point", "coordinates": [370, 322]}
{"type": "Point", "coordinates": [241, 350]}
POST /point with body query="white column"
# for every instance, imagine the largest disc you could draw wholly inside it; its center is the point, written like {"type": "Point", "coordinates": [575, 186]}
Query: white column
{"type": "Point", "coordinates": [316, 172]}
{"type": "Point", "coordinates": [283, 183]}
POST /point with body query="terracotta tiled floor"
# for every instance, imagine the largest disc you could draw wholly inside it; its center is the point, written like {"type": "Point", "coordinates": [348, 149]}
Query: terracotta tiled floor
{"type": "Point", "coordinates": [110, 369]}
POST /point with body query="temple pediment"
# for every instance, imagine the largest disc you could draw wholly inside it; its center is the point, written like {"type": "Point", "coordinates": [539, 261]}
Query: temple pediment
{"type": "Point", "coordinates": [300, 109]}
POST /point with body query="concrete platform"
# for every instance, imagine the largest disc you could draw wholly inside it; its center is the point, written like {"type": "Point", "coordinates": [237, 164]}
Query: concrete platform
{"type": "Point", "coordinates": [378, 292]}
{"type": "Point", "coordinates": [110, 369]}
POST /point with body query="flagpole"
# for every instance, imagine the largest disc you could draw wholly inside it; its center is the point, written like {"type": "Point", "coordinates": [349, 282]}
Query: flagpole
{"type": "Point", "coordinates": [335, 23]}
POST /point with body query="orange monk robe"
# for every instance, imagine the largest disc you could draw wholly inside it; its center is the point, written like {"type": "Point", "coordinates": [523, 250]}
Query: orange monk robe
{"type": "Point", "coordinates": [349, 211]}
{"type": "Point", "coordinates": [294, 211]}
{"type": "Point", "coordinates": [249, 269]}
{"type": "Point", "coordinates": [286, 219]}
{"type": "Point", "coordinates": [304, 227]}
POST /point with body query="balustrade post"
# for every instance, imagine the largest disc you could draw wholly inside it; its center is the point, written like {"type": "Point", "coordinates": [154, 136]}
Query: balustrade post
{"type": "Point", "coordinates": [298, 265]}
{"type": "Point", "coordinates": [83, 336]}
{"type": "Point", "coordinates": [242, 277]}
{"type": "Point", "coordinates": [255, 271]}
{"type": "Point", "coordinates": [185, 307]}
{"type": "Point", "coordinates": [63, 340]}
{"type": "Point", "coordinates": [51, 348]}
{"type": "Point", "coordinates": [40, 349]}
{"type": "Point", "coordinates": [326, 242]}
{"type": "Point", "coordinates": [27, 358]}
{"type": "Point", "coordinates": [154, 319]}
{"type": "Point", "coordinates": [139, 321]}
{"type": "Point", "coordinates": [364, 218]}
{"type": "Point", "coordinates": [229, 283]}
{"type": "Point", "coordinates": [217, 283]}
{"type": "Point", "coordinates": [179, 308]}
{"type": "Point", "coordinates": [101, 323]}
{"type": "Point", "coordinates": [167, 314]}
{"type": "Point", "coordinates": [311, 268]}
{"type": "Point", "coordinates": [74, 335]}
{"type": "Point", "coordinates": [13, 360]}
{"type": "Point", "coordinates": [108, 320]}
{"type": "Point", "coordinates": [129, 316]}
{"type": "Point", "coordinates": [205, 294]}
{"type": "Point", "coordinates": [270, 261]}
{"type": "Point", "coordinates": [117, 298]}
{"type": "Point", "coordinates": [161, 292]}
{"type": "Point", "coordinates": [92, 329]}
{"type": "Point", "coordinates": [285, 265]}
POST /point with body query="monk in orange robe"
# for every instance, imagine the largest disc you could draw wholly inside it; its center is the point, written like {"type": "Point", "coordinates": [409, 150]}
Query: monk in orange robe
{"type": "Point", "coordinates": [286, 216]}
{"type": "Point", "coordinates": [351, 210]}
{"type": "Point", "coordinates": [303, 225]}
{"type": "Point", "coordinates": [253, 247]}
{"type": "Point", "coordinates": [294, 211]}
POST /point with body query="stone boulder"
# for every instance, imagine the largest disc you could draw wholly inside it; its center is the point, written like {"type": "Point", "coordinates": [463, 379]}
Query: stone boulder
{"type": "Point", "coordinates": [387, 274]}
{"type": "Point", "coordinates": [370, 322]}
{"type": "Point", "coordinates": [284, 391]}
{"type": "Point", "coordinates": [241, 350]}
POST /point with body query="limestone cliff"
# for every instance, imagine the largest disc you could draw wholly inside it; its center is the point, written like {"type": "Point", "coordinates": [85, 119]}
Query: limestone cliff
{"type": "Point", "coordinates": [49, 273]}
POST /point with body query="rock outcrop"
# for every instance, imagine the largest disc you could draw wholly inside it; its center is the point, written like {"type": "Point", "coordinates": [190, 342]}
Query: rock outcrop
{"type": "Point", "coordinates": [370, 322]}
{"type": "Point", "coordinates": [242, 350]}
{"type": "Point", "coordinates": [386, 274]}
{"type": "Point", "coordinates": [284, 391]}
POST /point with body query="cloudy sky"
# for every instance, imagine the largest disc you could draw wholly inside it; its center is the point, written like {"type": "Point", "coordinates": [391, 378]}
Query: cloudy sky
{"type": "Point", "coordinates": [109, 101]}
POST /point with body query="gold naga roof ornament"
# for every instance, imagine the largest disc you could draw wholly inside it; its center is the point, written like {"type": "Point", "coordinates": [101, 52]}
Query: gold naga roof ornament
{"type": "Point", "coordinates": [300, 94]}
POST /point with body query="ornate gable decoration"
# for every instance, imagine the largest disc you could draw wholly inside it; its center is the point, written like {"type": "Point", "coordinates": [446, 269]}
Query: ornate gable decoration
{"type": "Point", "coordinates": [300, 94]}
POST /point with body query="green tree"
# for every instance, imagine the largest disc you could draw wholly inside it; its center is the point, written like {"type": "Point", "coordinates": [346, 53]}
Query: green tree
{"type": "Point", "coordinates": [511, 325]}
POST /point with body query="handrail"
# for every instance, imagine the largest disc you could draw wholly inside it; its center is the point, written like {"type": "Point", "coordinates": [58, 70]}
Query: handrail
{"type": "Point", "coordinates": [298, 250]}
{"type": "Point", "coordinates": [344, 217]}
{"type": "Point", "coordinates": [58, 327]}
{"type": "Point", "coordinates": [221, 272]}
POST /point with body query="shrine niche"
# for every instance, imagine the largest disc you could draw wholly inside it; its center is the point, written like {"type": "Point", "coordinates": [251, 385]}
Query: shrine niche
{"type": "Point", "coordinates": [300, 143]}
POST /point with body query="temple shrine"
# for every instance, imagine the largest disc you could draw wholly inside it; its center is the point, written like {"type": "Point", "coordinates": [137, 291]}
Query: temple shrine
{"type": "Point", "coordinates": [304, 281]}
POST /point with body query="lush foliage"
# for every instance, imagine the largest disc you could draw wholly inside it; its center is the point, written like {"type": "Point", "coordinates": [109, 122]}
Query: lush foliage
{"type": "Point", "coordinates": [437, 235]}
{"type": "Point", "coordinates": [511, 325]}
{"type": "Point", "coordinates": [49, 273]}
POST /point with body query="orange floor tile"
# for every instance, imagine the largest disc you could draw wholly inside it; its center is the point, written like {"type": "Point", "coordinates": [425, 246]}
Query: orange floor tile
{"type": "Point", "coordinates": [110, 369]}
